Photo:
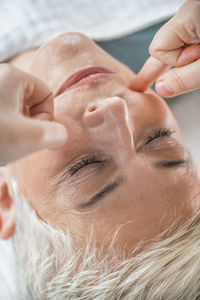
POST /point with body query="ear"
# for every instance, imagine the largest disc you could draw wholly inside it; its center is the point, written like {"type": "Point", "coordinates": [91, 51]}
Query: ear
{"type": "Point", "coordinates": [7, 208]}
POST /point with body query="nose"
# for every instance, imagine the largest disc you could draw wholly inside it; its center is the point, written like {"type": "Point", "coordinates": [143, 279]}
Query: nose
{"type": "Point", "coordinates": [109, 125]}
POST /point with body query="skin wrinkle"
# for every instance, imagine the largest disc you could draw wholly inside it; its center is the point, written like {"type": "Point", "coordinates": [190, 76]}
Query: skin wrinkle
{"type": "Point", "coordinates": [106, 190]}
{"type": "Point", "coordinates": [148, 192]}
{"type": "Point", "coordinates": [148, 275]}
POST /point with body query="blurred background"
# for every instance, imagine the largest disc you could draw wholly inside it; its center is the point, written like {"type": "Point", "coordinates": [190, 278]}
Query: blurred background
{"type": "Point", "coordinates": [186, 109]}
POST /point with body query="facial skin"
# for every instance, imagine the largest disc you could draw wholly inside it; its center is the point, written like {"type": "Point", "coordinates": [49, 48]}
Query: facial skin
{"type": "Point", "coordinates": [107, 122]}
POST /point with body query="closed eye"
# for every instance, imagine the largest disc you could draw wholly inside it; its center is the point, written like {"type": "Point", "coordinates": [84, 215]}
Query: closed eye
{"type": "Point", "coordinates": [158, 133]}
{"type": "Point", "coordinates": [83, 163]}
{"type": "Point", "coordinates": [94, 160]}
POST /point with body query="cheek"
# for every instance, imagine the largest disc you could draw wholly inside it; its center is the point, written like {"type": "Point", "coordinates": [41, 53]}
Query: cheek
{"type": "Point", "coordinates": [147, 108]}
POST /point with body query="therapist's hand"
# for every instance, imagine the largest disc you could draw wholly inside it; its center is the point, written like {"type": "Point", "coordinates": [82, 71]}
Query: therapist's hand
{"type": "Point", "coordinates": [176, 44]}
{"type": "Point", "coordinates": [26, 114]}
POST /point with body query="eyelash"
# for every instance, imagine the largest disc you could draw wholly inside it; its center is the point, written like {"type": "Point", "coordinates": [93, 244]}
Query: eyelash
{"type": "Point", "coordinates": [83, 163]}
{"type": "Point", "coordinates": [157, 134]}
{"type": "Point", "coordinates": [91, 160]}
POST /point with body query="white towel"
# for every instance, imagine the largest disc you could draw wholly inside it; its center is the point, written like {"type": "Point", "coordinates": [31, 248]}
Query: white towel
{"type": "Point", "coordinates": [25, 24]}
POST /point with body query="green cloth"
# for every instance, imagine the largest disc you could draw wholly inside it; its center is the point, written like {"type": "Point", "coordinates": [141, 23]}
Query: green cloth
{"type": "Point", "coordinates": [132, 50]}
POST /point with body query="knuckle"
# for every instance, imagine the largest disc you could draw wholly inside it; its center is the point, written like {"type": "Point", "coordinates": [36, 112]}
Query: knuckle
{"type": "Point", "coordinates": [28, 88]}
{"type": "Point", "coordinates": [176, 81]}
{"type": "Point", "coordinates": [152, 48]}
{"type": "Point", "coordinates": [190, 10]}
{"type": "Point", "coordinates": [156, 47]}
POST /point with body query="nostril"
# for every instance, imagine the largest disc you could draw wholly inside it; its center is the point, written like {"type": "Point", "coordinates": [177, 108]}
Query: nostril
{"type": "Point", "coordinates": [92, 108]}
{"type": "Point", "coordinates": [93, 116]}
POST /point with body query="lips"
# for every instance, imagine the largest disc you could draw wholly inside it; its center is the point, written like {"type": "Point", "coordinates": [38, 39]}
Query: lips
{"type": "Point", "coordinates": [84, 77]}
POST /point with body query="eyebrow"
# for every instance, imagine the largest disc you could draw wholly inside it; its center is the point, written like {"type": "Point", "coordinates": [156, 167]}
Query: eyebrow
{"type": "Point", "coordinates": [110, 187]}
{"type": "Point", "coordinates": [172, 163]}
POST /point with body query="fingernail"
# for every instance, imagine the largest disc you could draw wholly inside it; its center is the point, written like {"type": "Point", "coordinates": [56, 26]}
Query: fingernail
{"type": "Point", "coordinates": [163, 89]}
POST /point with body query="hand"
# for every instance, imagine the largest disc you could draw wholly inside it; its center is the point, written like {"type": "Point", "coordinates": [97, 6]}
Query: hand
{"type": "Point", "coordinates": [25, 100]}
{"type": "Point", "coordinates": [176, 44]}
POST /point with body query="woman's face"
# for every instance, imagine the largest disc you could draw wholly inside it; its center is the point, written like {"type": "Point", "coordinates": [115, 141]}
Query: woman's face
{"type": "Point", "coordinates": [124, 166]}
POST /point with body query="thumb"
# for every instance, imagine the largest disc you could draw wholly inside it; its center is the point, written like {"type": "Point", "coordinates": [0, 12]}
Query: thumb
{"type": "Point", "coordinates": [180, 80]}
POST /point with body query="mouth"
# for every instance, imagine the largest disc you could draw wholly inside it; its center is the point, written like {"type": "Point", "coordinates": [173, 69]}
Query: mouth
{"type": "Point", "coordinates": [84, 77]}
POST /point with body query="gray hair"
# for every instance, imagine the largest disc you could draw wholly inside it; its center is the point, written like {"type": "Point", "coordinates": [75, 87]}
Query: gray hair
{"type": "Point", "coordinates": [51, 266]}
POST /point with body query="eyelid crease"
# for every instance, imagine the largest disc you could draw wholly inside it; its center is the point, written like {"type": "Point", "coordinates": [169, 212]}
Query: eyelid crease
{"type": "Point", "coordinates": [106, 190]}
{"type": "Point", "coordinates": [158, 133]}
{"type": "Point", "coordinates": [155, 134]}
{"type": "Point", "coordinates": [83, 163]}
{"type": "Point", "coordinates": [172, 163]}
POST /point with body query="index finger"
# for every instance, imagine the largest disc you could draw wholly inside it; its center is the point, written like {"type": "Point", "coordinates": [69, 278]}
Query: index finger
{"type": "Point", "coordinates": [22, 89]}
{"type": "Point", "coordinates": [38, 97]}
{"type": "Point", "coordinates": [148, 74]}
{"type": "Point", "coordinates": [36, 90]}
